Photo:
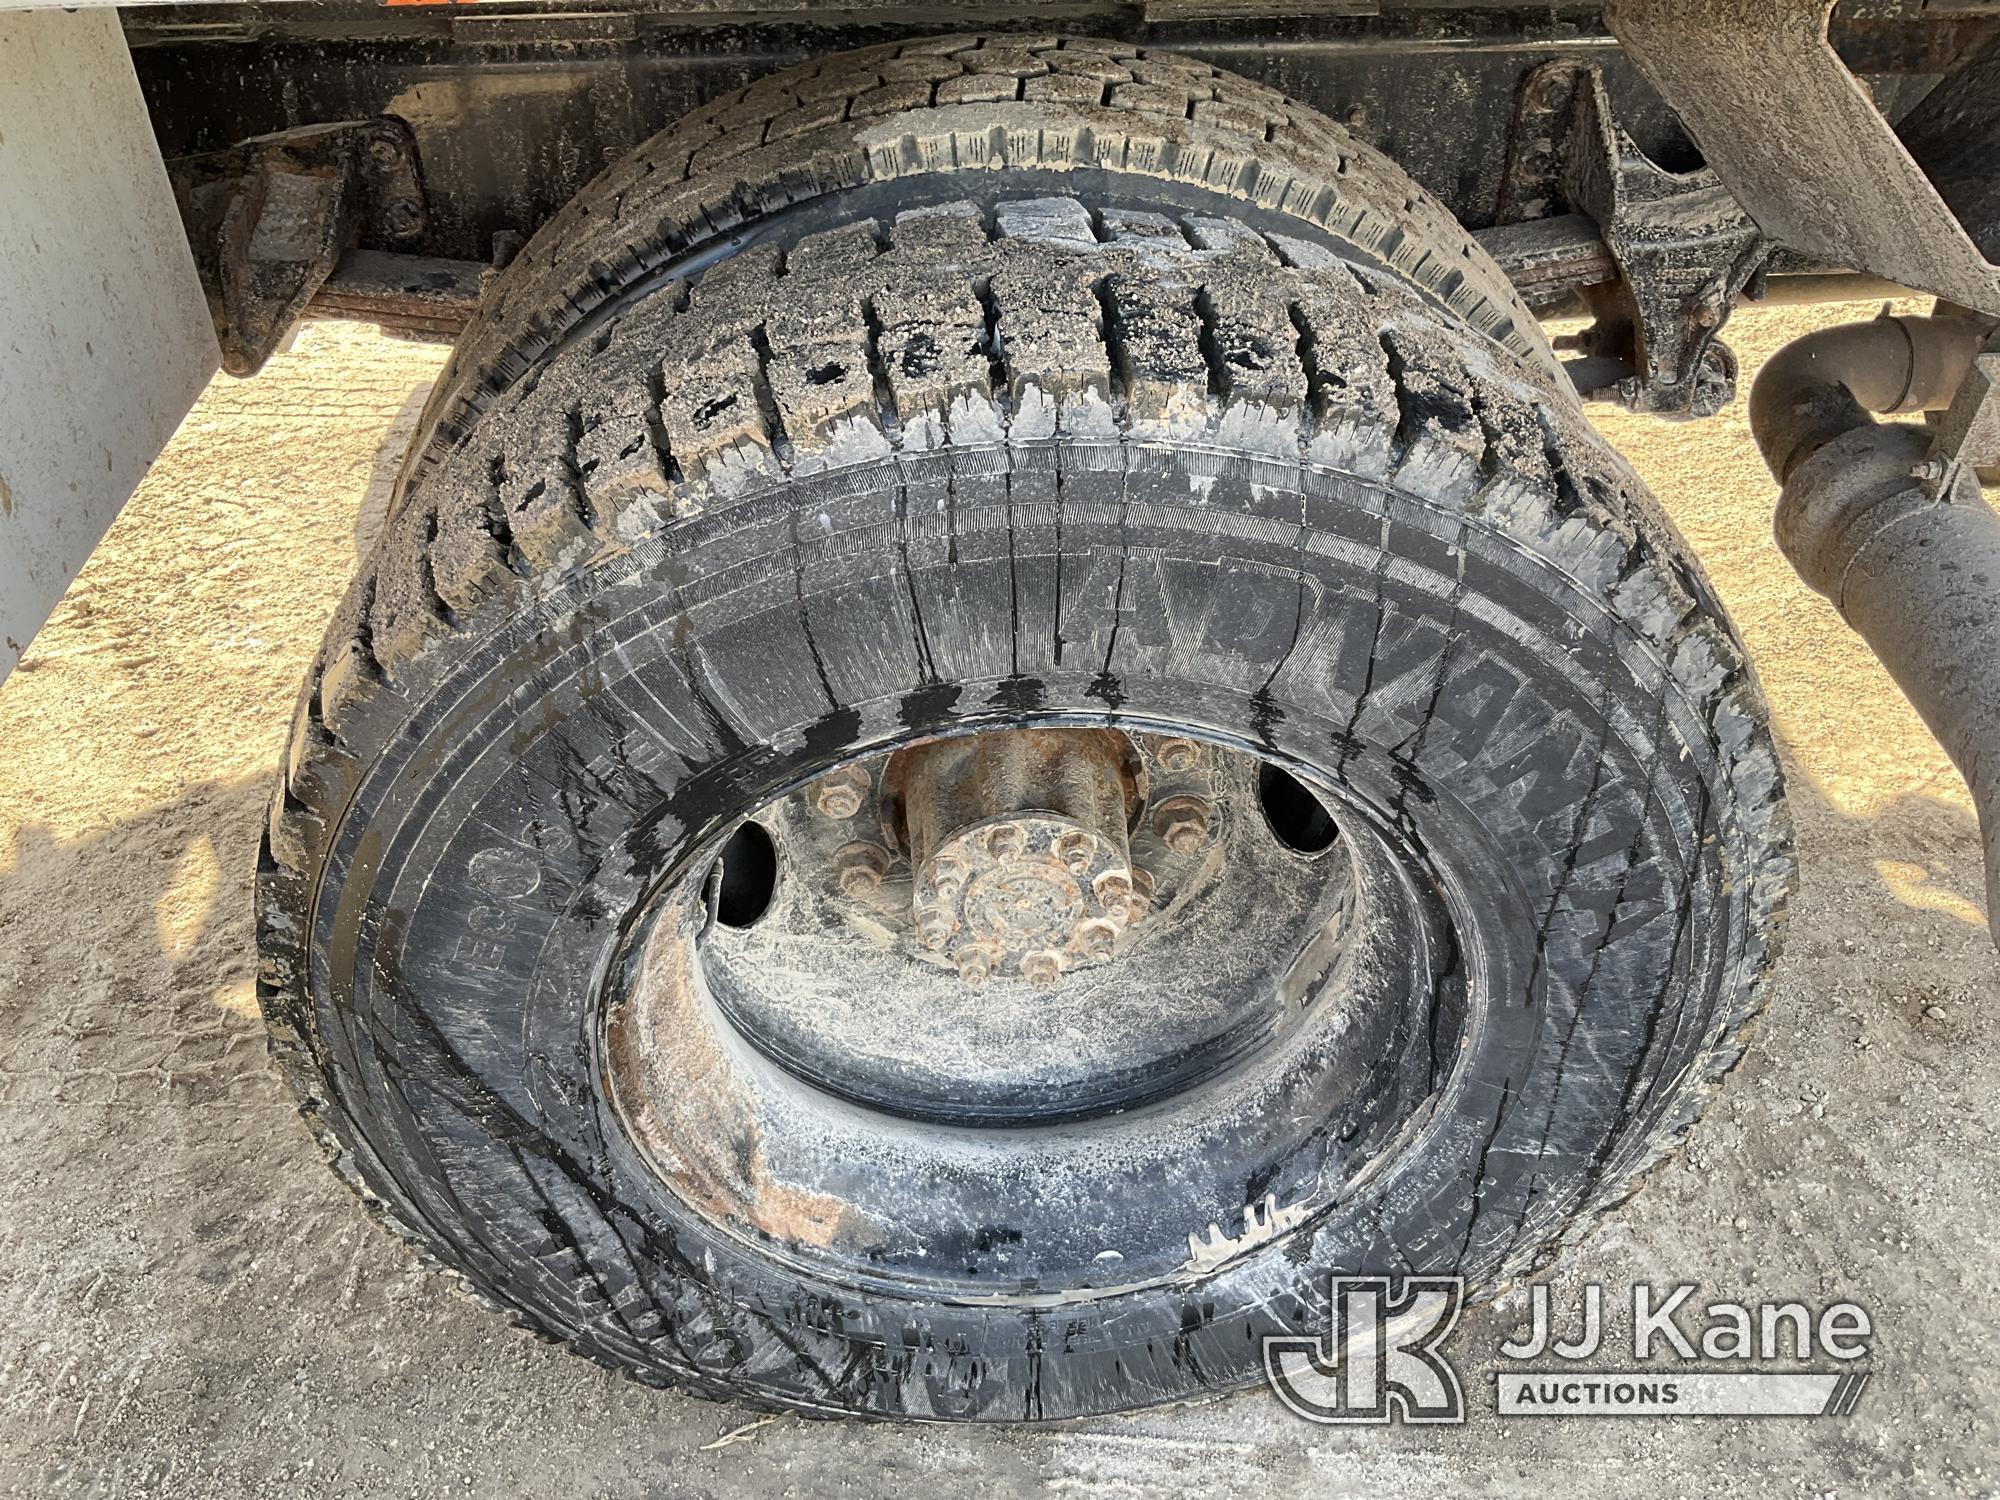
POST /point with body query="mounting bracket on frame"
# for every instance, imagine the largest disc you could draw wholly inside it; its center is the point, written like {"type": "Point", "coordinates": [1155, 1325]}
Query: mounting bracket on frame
{"type": "Point", "coordinates": [1800, 143]}
{"type": "Point", "coordinates": [1683, 247]}
{"type": "Point", "coordinates": [269, 217]}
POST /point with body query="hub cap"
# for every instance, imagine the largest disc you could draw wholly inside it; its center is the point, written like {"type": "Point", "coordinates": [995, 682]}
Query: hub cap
{"type": "Point", "coordinates": [1018, 850]}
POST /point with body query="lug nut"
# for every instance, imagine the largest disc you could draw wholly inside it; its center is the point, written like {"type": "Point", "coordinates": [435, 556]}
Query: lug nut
{"type": "Point", "coordinates": [402, 218]}
{"type": "Point", "coordinates": [1095, 937]}
{"type": "Point", "coordinates": [1177, 754]}
{"type": "Point", "coordinates": [859, 869]}
{"type": "Point", "coordinates": [935, 927]}
{"type": "Point", "coordinates": [1074, 850]}
{"type": "Point", "coordinates": [1113, 888]}
{"type": "Point", "coordinates": [1041, 968]}
{"type": "Point", "coordinates": [945, 876]}
{"type": "Point", "coordinates": [1183, 823]}
{"type": "Point", "coordinates": [1005, 840]}
{"type": "Point", "coordinates": [975, 964]}
{"type": "Point", "coordinates": [1139, 905]}
{"type": "Point", "coordinates": [841, 794]}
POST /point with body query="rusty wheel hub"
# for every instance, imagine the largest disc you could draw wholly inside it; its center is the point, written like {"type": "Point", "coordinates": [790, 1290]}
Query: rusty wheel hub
{"type": "Point", "coordinates": [1018, 848]}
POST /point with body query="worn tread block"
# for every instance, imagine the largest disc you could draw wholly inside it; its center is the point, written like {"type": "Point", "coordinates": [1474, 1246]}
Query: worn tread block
{"type": "Point", "coordinates": [470, 560]}
{"type": "Point", "coordinates": [847, 248]}
{"type": "Point", "coordinates": [1349, 383]}
{"type": "Point", "coordinates": [893, 97]}
{"type": "Point", "coordinates": [713, 412]}
{"type": "Point", "coordinates": [1157, 332]}
{"type": "Point", "coordinates": [1067, 87]}
{"type": "Point", "coordinates": [1052, 345]}
{"type": "Point", "coordinates": [1049, 221]}
{"type": "Point", "coordinates": [539, 499]}
{"type": "Point", "coordinates": [932, 347]}
{"type": "Point", "coordinates": [975, 88]}
{"type": "Point", "coordinates": [1255, 344]}
{"type": "Point", "coordinates": [919, 68]}
{"type": "Point", "coordinates": [821, 376]}
{"type": "Point", "coordinates": [1174, 100]}
{"type": "Point", "coordinates": [1444, 447]}
{"type": "Point", "coordinates": [405, 611]}
{"type": "Point", "coordinates": [619, 465]}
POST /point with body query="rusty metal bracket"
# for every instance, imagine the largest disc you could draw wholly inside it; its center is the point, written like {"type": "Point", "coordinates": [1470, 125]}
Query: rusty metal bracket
{"type": "Point", "coordinates": [1799, 142]}
{"type": "Point", "coordinates": [269, 217]}
{"type": "Point", "coordinates": [1685, 249]}
{"type": "Point", "coordinates": [1682, 246]}
{"type": "Point", "coordinates": [1965, 437]}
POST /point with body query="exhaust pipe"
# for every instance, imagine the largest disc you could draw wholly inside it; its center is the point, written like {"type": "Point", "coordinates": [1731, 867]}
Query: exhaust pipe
{"type": "Point", "coordinates": [1913, 565]}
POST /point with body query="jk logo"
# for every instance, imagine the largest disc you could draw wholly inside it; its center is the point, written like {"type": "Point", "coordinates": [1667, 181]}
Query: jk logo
{"type": "Point", "coordinates": [1380, 1358]}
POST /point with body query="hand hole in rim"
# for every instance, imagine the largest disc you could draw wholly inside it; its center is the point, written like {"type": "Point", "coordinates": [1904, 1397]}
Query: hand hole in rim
{"type": "Point", "coordinates": [745, 877]}
{"type": "Point", "coordinates": [1297, 819]}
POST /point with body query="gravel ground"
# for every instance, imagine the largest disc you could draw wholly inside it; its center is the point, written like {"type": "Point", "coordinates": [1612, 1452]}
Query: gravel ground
{"type": "Point", "coordinates": [195, 1307]}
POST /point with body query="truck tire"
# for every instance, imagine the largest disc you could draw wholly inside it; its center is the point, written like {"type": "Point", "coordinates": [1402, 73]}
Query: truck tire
{"type": "Point", "coordinates": [592, 908]}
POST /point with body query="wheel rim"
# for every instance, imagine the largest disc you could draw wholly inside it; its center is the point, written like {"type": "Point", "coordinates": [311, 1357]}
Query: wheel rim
{"type": "Point", "coordinates": [816, 1080]}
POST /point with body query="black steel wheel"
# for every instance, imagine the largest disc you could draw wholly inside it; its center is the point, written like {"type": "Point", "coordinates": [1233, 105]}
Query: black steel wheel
{"type": "Point", "coordinates": [939, 807]}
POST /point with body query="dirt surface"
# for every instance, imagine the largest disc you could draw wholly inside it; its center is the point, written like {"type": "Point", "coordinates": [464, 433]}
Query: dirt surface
{"type": "Point", "coordinates": [195, 1307]}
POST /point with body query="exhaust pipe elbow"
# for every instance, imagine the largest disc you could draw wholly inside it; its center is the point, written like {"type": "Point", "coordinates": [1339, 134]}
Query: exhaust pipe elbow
{"type": "Point", "coordinates": [1833, 381]}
